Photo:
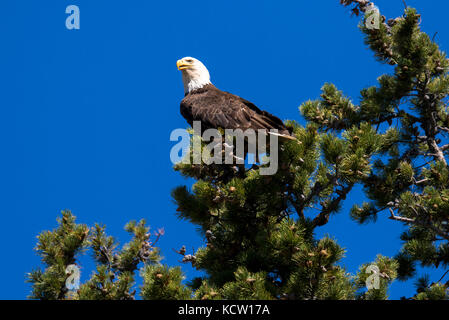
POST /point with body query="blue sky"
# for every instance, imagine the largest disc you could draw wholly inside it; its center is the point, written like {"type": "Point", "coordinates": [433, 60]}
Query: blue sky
{"type": "Point", "coordinates": [86, 115]}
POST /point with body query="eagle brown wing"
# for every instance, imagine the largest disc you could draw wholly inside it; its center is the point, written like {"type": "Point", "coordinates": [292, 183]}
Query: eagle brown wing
{"type": "Point", "coordinates": [219, 109]}
{"type": "Point", "coordinates": [265, 119]}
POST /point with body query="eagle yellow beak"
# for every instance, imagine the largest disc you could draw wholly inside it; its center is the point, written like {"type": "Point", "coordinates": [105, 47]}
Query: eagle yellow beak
{"type": "Point", "coordinates": [182, 65]}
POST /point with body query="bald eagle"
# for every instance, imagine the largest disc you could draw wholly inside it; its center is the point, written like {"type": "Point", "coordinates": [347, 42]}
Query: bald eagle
{"type": "Point", "coordinates": [218, 109]}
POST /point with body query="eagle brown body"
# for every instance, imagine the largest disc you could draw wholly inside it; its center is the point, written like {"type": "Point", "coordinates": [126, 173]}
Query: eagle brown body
{"type": "Point", "coordinates": [218, 109]}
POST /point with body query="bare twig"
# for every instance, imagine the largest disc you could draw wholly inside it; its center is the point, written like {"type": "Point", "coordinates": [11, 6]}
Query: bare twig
{"type": "Point", "coordinates": [398, 218]}
{"type": "Point", "coordinates": [443, 276]}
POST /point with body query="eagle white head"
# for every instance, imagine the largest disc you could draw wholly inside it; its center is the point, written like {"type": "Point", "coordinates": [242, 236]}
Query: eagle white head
{"type": "Point", "coordinates": [194, 74]}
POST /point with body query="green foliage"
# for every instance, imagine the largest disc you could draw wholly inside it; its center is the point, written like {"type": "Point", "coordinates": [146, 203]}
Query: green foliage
{"type": "Point", "coordinates": [114, 278]}
{"type": "Point", "coordinates": [409, 109]}
{"type": "Point", "coordinates": [434, 291]}
{"type": "Point", "coordinates": [262, 227]}
{"type": "Point", "coordinates": [246, 286]}
{"type": "Point", "coordinates": [387, 273]}
{"type": "Point", "coordinates": [57, 249]}
{"type": "Point", "coordinates": [163, 283]}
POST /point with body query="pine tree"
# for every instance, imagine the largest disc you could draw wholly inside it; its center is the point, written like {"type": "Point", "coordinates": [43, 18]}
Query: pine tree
{"type": "Point", "coordinates": [311, 266]}
{"type": "Point", "coordinates": [409, 178]}
{"type": "Point", "coordinates": [260, 230]}
{"type": "Point", "coordinates": [114, 278]}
